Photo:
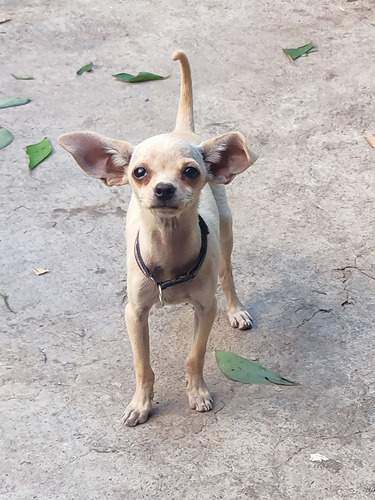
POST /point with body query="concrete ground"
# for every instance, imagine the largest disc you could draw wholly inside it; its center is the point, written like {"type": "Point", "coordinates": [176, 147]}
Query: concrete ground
{"type": "Point", "coordinates": [304, 254]}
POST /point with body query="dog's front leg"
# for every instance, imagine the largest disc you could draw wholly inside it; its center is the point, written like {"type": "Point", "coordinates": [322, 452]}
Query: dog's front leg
{"type": "Point", "coordinates": [199, 396]}
{"type": "Point", "coordinates": [140, 406]}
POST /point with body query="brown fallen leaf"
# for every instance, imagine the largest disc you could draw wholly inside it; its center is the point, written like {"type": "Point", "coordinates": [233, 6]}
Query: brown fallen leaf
{"type": "Point", "coordinates": [277, 389]}
{"type": "Point", "coordinates": [370, 138]}
{"type": "Point", "coordinates": [40, 270]}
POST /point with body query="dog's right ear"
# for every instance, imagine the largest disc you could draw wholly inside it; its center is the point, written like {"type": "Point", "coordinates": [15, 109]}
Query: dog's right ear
{"type": "Point", "coordinates": [99, 156]}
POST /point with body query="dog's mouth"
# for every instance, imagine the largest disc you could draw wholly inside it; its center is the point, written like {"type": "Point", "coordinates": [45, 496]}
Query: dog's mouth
{"type": "Point", "coordinates": [160, 203]}
{"type": "Point", "coordinates": [165, 209]}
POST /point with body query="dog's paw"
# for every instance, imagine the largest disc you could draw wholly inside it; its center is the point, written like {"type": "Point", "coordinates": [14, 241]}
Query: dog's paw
{"type": "Point", "coordinates": [136, 414]}
{"type": "Point", "coordinates": [240, 319]}
{"type": "Point", "coordinates": [200, 401]}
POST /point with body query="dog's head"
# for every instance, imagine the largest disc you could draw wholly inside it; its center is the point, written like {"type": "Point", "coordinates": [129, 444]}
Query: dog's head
{"type": "Point", "coordinates": [165, 172]}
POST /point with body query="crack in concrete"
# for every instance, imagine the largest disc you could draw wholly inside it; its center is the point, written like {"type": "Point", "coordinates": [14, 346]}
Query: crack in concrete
{"type": "Point", "coordinates": [296, 452]}
{"type": "Point", "coordinates": [350, 300]}
{"type": "Point", "coordinates": [215, 412]}
{"type": "Point", "coordinates": [306, 320]}
{"type": "Point", "coordinates": [18, 397]}
{"type": "Point", "coordinates": [276, 466]}
{"type": "Point", "coordinates": [333, 436]}
{"type": "Point", "coordinates": [104, 450]}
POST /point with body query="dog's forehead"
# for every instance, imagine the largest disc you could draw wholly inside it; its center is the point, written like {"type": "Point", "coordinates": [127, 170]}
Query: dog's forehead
{"type": "Point", "coordinates": [165, 148]}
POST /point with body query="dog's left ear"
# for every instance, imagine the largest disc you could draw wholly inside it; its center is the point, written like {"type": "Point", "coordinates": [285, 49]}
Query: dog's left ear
{"type": "Point", "coordinates": [99, 156]}
{"type": "Point", "coordinates": [226, 156]}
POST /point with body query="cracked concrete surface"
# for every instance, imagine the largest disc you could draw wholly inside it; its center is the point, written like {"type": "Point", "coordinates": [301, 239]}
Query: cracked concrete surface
{"type": "Point", "coordinates": [303, 259]}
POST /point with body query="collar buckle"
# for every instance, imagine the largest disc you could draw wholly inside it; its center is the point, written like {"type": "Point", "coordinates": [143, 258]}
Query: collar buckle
{"type": "Point", "coordinates": [161, 296]}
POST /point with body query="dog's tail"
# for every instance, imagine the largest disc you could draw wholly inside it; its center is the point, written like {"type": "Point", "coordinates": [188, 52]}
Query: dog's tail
{"type": "Point", "coordinates": [185, 114]}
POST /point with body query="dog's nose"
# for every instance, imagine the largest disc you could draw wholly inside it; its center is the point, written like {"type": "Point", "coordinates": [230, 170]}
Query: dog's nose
{"type": "Point", "coordinates": [164, 191]}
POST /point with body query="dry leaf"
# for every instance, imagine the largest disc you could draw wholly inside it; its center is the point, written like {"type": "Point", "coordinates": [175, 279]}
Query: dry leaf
{"type": "Point", "coordinates": [4, 19]}
{"type": "Point", "coordinates": [370, 138]}
{"type": "Point", "coordinates": [40, 270]}
{"type": "Point", "coordinates": [317, 457]}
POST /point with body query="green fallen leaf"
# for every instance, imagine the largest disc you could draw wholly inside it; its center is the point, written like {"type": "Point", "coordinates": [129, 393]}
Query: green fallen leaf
{"type": "Point", "coordinates": [6, 138]}
{"type": "Point", "coordinates": [247, 372]}
{"type": "Point", "coordinates": [38, 152]}
{"type": "Point", "coordinates": [88, 67]}
{"type": "Point", "coordinates": [22, 77]}
{"type": "Point", "coordinates": [13, 101]}
{"type": "Point", "coordinates": [141, 77]}
{"type": "Point", "coordinates": [294, 54]}
{"type": "Point", "coordinates": [5, 297]}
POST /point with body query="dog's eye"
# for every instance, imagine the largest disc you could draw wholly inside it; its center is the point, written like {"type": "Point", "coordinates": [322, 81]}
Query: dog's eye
{"type": "Point", "coordinates": [191, 172]}
{"type": "Point", "coordinates": [140, 172]}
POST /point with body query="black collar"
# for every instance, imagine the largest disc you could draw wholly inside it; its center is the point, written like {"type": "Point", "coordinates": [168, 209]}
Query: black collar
{"type": "Point", "coordinates": [191, 274]}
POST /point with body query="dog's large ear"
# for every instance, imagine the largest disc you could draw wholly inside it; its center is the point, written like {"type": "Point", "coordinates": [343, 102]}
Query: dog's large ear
{"type": "Point", "coordinates": [226, 156]}
{"type": "Point", "coordinates": [102, 158]}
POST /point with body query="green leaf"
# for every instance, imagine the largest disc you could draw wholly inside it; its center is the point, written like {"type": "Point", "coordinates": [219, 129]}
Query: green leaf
{"type": "Point", "coordinates": [88, 67]}
{"type": "Point", "coordinates": [294, 54]}
{"type": "Point", "coordinates": [247, 372]}
{"type": "Point", "coordinates": [141, 77]}
{"type": "Point", "coordinates": [22, 77]}
{"type": "Point", "coordinates": [13, 101]}
{"type": "Point", "coordinates": [38, 152]}
{"type": "Point", "coordinates": [6, 138]}
{"type": "Point", "coordinates": [5, 298]}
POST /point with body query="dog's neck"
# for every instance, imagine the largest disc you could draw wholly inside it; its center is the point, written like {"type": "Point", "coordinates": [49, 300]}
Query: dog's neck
{"type": "Point", "coordinates": [170, 245]}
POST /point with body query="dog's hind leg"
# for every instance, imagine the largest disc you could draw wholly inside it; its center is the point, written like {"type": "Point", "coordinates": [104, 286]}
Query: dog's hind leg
{"type": "Point", "coordinates": [238, 316]}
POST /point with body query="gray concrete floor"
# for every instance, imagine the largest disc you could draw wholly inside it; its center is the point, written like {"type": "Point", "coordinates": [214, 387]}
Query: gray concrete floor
{"type": "Point", "coordinates": [304, 254]}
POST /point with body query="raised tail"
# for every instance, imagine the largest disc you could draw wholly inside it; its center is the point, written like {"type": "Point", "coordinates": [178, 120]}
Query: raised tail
{"type": "Point", "coordinates": [185, 114]}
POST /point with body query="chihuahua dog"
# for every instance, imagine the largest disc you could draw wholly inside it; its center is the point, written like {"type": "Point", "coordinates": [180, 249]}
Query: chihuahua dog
{"type": "Point", "coordinates": [179, 233]}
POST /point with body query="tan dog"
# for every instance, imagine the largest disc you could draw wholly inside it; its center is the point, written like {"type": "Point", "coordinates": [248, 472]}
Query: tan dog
{"type": "Point", "coordinates": [179, 232]}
